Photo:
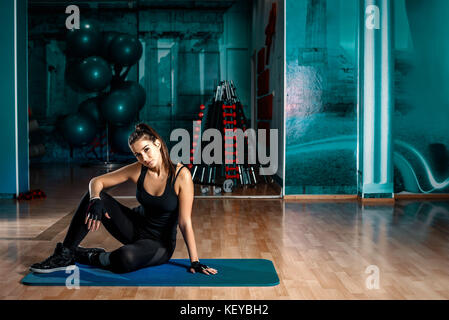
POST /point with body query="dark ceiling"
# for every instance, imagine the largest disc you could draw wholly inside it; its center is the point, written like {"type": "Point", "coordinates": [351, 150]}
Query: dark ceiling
{"type": "Point", "coordinates": [137, 4]}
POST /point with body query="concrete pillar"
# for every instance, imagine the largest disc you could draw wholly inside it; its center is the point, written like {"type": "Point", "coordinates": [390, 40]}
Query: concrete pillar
{"type": "Point", "coordinates": [375, 99]}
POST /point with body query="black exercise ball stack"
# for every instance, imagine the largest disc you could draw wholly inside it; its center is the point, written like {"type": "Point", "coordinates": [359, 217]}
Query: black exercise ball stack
{"type": "Point", "coordinates": [98, 63]}
{"type": "Point", "coordinates": [224, 112]}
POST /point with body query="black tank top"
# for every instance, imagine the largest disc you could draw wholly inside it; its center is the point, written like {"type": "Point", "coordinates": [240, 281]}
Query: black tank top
{"type": "Point", "coordinates": [159, 213]}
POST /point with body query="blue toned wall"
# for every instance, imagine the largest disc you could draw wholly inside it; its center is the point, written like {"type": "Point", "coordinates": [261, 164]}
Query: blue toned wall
{"type": "Point", "coordinates": [321, 93]}
{"type": "Point", "coordinates": [421, 117]}
{"type": "Point", "coordinates": [400, 134]}
{"type": "Point", "coordinates": [13, 90]}
{"type": "Point", "coordinates": [235, 51]}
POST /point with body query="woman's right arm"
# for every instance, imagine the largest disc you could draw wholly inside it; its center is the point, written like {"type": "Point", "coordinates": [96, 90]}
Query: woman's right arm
{"type": "Point", "coordinates": [110, 179]}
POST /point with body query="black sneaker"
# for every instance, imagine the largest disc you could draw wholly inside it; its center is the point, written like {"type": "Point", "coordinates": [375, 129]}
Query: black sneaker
{"type": "Point", "coordinates": [61, 259]}
{"type": "Point", "coordinates": [88, 256]}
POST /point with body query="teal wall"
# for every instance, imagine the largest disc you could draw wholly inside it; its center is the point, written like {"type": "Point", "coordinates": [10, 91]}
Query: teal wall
{"type": "Point", "coordinates": [422, 105]}
{"type": "Point", "coordinates": [14, 92]}
{"type": "Point", "coordinates": [402, 142]}
{"type": "Point", "coordinates": [235, 51]}
{"type": "Point", "coordinates": [321, 117]}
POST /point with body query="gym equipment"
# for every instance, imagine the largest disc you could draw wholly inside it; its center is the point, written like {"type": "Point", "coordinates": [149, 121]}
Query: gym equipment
{"type": "Point", "coordinates": [125, 50]}
{"type": "Point", "coordinates": [95, 61]}
{"type": "Point", "coordinates": [85, 41]}
{"type": "Point", "coordinates": [36, 147]}
{"type": "Point", "coordinates": [231, 273]}
{"type": "Point", "coordinates": [204, 189]}
{"type": "Point", "coordinates": [119, 138]}
{"type": "Point", "coordinates": [78, 129]}
{"type": "Point", "coordinates": [224, 113]}
{"type": "Point", "coordinates": [93, 74]}
{"type": "Point", "coordinates": [33, 125]}
{"type": "Point", "coordinates": [107, 39]}
{"type": "Point", "coordinates": [36, 150]}
{"type": "Point", "coordinates": [119, 107]}
{"type": "Point", "coordinates": [32, 194]}
{"type": "Point", "coordinates": [228, 184]}
{"type": "Point", "coordinates": [90, 108]}
{"type": "Point", "coordinates": [136, 90]}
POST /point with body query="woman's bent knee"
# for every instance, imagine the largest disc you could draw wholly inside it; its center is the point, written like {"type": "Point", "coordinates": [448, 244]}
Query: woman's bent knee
{"type": "Point", "coordinates": [123, 261]}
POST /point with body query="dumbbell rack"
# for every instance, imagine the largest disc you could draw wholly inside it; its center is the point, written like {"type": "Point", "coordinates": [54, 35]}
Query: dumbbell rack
{"type": "Point", "coordinates": [229, 143]}
{"type": "Point", "coordinates": [224, 113]}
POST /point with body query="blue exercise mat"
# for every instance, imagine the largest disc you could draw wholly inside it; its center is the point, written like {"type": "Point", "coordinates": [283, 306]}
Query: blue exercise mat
{"type": "Point", "coordinates": [231, 273]}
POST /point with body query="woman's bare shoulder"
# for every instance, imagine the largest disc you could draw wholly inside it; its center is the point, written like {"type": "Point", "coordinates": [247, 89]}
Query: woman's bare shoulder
{"type": "Point", "coordinates": [135, 166]}
{"type": "Point", "coordinates": [183, 173]}
{"type": "Point", "coordinates": [133, 170]}
{"type": "Point", "coordinates": [119, 176]}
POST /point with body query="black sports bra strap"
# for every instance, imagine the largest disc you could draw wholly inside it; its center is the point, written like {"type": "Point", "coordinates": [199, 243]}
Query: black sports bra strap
{"type": "Point", "coordinates": [179, 172]}
{"type": "Point", "coordinates": [143, 170]}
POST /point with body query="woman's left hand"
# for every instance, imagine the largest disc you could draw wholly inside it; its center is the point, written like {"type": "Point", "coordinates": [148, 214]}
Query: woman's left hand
{"type": "Point", "coordinates": [202, 268]}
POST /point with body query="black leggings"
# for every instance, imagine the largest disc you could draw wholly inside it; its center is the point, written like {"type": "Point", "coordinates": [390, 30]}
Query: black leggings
{"type": "Point", "coordinates": [137, 252]}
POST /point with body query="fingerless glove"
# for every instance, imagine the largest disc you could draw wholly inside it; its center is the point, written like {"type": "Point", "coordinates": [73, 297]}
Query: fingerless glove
{"type": "Point", "coordinates": [96, 209]}
{"type": "Point", "coordinates": [198, 267]}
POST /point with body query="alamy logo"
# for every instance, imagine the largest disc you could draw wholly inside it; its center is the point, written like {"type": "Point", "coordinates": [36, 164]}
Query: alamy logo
{"type": "Point", "coordinates": [73, 280]}
{"type": "Point", "coordinates": [234, 144]}
{"type": "Point", "coordinates": [372, 20]}
{"type": "Point", "coordinates": [372, 281]}
{"type": "Point", "coordinates": [72, 21]}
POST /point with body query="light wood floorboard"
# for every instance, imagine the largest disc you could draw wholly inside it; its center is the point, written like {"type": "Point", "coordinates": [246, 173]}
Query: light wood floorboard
{"type": "Point", "coordinates": [320, 249]}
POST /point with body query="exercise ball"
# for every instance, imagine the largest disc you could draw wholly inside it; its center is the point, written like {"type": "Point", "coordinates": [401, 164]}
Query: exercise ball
{"type": "Point", "coordinates": [71, 76]}
{"type": "Point", "coordinates": [119, 107]}
{"type": "Point", "coordinates": [108, 37]}
{"type": "Point", "coordinates": [85, 41]}
{"type": "Point", "coordinates": [78, 129]}
{"type": "Point", "coordinates": [119, 138]}
{"type": "Point", "coordinates": [125, 50]}
{"type": "Point", "coordinates": [91, 109]}
{"type": "Point", "coordinates": [93, 74]}
{"type": "Point", "coordinates": [136, 90]}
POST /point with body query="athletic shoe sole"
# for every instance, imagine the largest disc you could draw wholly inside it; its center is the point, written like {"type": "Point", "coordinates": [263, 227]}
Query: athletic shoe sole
{"type": "Point", "coordinates": [92, 248]}
{"type": "Point", "coordinates": [52, 270]}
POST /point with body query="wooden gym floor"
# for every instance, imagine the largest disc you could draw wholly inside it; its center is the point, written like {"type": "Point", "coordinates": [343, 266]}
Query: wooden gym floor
{"type": "Point", "coordinates": [320, 249]}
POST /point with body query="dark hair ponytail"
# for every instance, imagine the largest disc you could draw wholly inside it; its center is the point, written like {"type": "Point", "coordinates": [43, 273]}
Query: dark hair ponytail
{"type": "Point", "coordinates": [141, 130]}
